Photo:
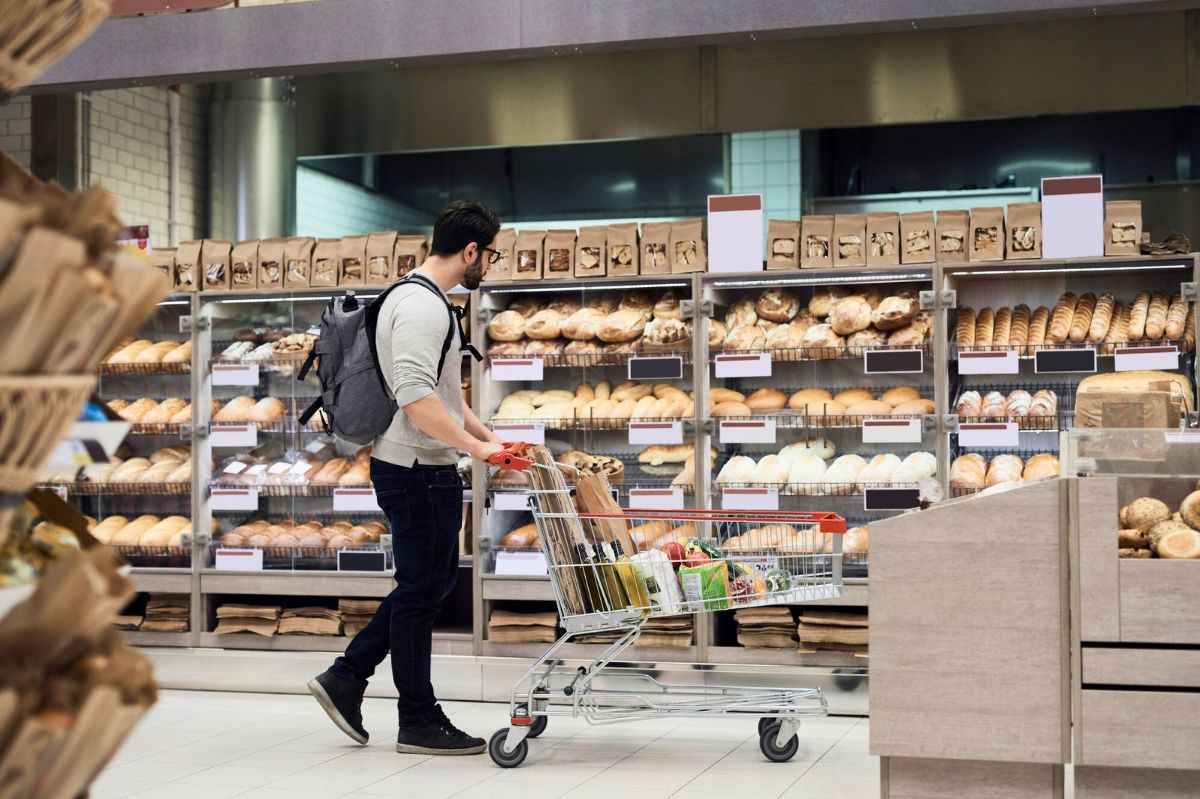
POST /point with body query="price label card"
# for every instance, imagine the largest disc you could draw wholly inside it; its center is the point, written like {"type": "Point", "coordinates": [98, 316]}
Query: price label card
{"type": "Point", "coordinates": [746, 364]}
{"type": "Point", "coordinates": [1191, 437]}
{"type": "Point", "coordinates": [988, 434]}
{"type": "Point", "coordinates": [656, 498]}
{"type": "Point", "coordinates": [370, 560]}
{"type": "Point", "coordinates": [529, 433]}
{"type": "Point", "coordinates": [999, 362]}
{"type": "Point", "coordinates": [511, 500]}
{"type": "Point", "coordinates": [517, 369]}
{"type": "Point", "coordinates": [234, 435]}
{"type": "Point", "coordinates": [1082, 359]}
{"type": "Point", "coordinates": [238, 560]}
{"type": "Point", "coordinates": [1128, 359]}
{"type": "Point", "coordinates": [877, 362]}
{"type": "Point", "coordinates": [355, 500]}
{"type": "Point", "coordinates": [753, 431]}
{"type": "Point", "coordinates": [74, 453]}
{"type": "Point", "coordinates": [645, 433]}
{"type": "Point", "coordinates": [521, 564]}
{"type": "Point", "coordinates": [234, 498]}
{"type": "Point", "coordinates": [750, 499]}
{"type": "Point", "coordinates": [659, 367]}
{"type": "Point", "coordinates": [235, 374]}
{"type": "Point", "coordinates": [878, 499]}
{"type": "Point", "coordinates": [891, 431]}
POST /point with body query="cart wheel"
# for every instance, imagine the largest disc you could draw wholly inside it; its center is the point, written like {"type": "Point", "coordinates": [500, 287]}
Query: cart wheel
{"type": "Point", "coordinates": [765, 722]}
{"type": "Point", "coordinates": [505, 759]}
{"type": "Point", "coordinates": [774, 753]}
{"type": "Point", "coordinates": [538, 726]}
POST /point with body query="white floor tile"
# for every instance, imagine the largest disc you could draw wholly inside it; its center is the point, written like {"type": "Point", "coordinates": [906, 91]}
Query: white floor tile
{"type": "Point", "coordinates": [203, 755]}
{"type": "Point", "coordinates": [105, 788]}
{"type": "Point", "coordinates": [314, 779]}
{"type": "Point", "coordinates": [177, 790]}
{"type": "Point", "coordinates": [661, 780]}
{"type": "Point", "coordinates": [235, 775]}
{"type": "Point", "coordinates": [806, 788]}
{"type": "Point", "coordinates": [289, 793]}
{"type": "Point", "coordinates": [145, 771]}
{"type": "Point", "coordinates": [275, 758]}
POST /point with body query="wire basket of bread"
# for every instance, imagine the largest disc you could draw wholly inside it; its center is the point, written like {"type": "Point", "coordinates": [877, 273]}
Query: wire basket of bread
{"type": "Point", "coordinates": [35, 414]}
{"type": "Point", "coordinates": [146, 357]}
{"type": "Point", "coordinates": [821, 407]}
{"type": "Point", "coordinates": [1030, 407]}
{"type": "Point", "coordinates": [289, 542]}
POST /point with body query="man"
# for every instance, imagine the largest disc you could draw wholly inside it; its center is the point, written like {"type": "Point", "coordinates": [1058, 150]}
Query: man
{"type": "Point", "coordinates": [413, 467]}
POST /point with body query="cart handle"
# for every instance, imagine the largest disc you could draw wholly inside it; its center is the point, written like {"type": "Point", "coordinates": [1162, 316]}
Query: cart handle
{"type": "Point", "coordinates": [828, 522]}
{"type": "Point", "coordinates": [511, 456]}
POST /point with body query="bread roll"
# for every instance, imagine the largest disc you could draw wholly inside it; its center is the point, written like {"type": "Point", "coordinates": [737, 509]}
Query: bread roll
{"type": "Point", "coordinates": [741, 313]}
{"type": "Point", "coordinates": [159, 472]}
{"type": "Point", "coordinates": [1101, 316]}
{"type": "Point", "coordinates": [899, 394]}
{"type": "Point", "coordinates": [968, 471]}
{"type": "Point", "coordinates": [985, 324]}
{"type": "Point", "coordinates": [267, 410]}
{"type": "Point", "coordinates": [1176, 318]}
{"type": "Point", "coordinates": [724, 409]}
{"type": "Point", "coordinates": [995, 405]}
{"type": "Point", "coordinates": [739, 469]}
{"type": "Point", "coordinates": [767, 399]}
{"type": "Point", "coordinates": [853, 395]}
{"type": "Point", "coordinates": [1018, 332]}
{"type": "Point", "coordinates": [777, 305]}
{"type": "Point", "coordinates": [1002, 327]}
{"type": "Point", "coordinates": [155, 353]}
{"type": "Point", "coordinates": [545, 324]}
{"type": "Point", "coordinates": [164, 411]}
{"type": "Point", "coordinates": [1061, 319]}
{"type": "Point", "coordinates": [105, 530]}
{"type": "Point", "coordinates": [1018, 403]}
{"type": "Point", "coordinates": [915, 407]}
{"type": "Point", "coordinates": [807, 395]}
{"type": "Point", "coordinates": [1156, 314]}
{"type": "Point", "coordinates": [181, 354]}
{"type": "Point", "coordinates": [631, 390]}
{"type": "Point", "coordinates": [524, 537]}
{"type": "Point", "coordinates": [623, 325]}
{"type": "Point", "coordinates": [1004, 469]}
{"type": "Point", "coordinates": [134, 411]}
{"type": "Point", "coordinates": [895, 311]}
{"type": "Point", "coordinates": [879, 470]}
{"type": "Point", "coordinates": [923, 464]}
{"type": "Point", "coordinates": [970, 403]}
{"type": "Point", "coordinates": [806, 472]}
{"type": "Point", "coordinates": [1038, 324]}
{"type": "Point", "coordinates": [331, 473]}
{"type": "Point", "coordinates": [823, 300]}
{"type": "Point", "coordinates": [869, 408]}
{"type": "Point", "coordinates": [236, 410]}
{"type": "Point", "coordinates": [821, 447]}
{"type": "Point", "coordinates": [822, 343]}
{"type": "Point", "coordinates": [1189, 510]}
{"type": "Point", "coordinates": [130, 352]}
{"type": "Point", "coordinates": [771, 469]}
{"type": "Point", "coordinates": [850, 315]}
{"type": "Point", "coordinates": [745, 337]}
{"type": "Point", "coordinates": [842, 475]}
{"type": "Point", "coordinates": [130, 470]}
{"type": "Point", "coordinates": [1136, 327]}
{"type": "Point", "coordinates": [964, 329]}
{"type": "Point", "coordinates": [1040, 466]}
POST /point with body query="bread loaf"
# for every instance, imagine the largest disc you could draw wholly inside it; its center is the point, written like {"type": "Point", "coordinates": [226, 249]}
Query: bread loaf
{"type": "Point", "coordinates": [1002, 327]}
{"type": "Point", "coordinates": [1156, 314]}
{"type": "Point", "coordinates": [822, 343]}
{"type": "Point", "coordinates": [741, 313]}
{"type": "Point", "coordinates": [1189, 330]}
{"type": "Point", "coordinates": [777, 305]}
{"type": "Point", "coordinates": [1045, 403]}
{"type": "Point", "coordinates": [1176, 318]}
{"type": "Point", "coordinates": [807, 395]}
{"type": "Point", "coordinates": [1004, 469]}
{"type": "Point", "coordinates": [968, 471]}
{"type": "Point", "coordinates": [623, 325]}
{"type": "Point", "coordinates": [995, 405]}
{"type": "Point", "coordinates": [745, 337]}
{"type": "Point", "coordinates": [1102, 317]}
{"type": "Point", "coordinates": [850, 315]}
{"type": "Point", "coordinates": [1116, 329]}
{"type": "Point", "coordinates": [583, 325]}
{"type": "Point", "coordinates": [1061, 319]}
{"type": "Point", "coordinates": [164, 411]}
{"type": "Point", "coordinates": [236, 410]}
{"type": "Point", "coordinates": [527, 305]}
{"type": "Point", "coordinates": [785, 337]}
{"type": "Point", "coordinates": [1019, 402]}
{"type": "Point", "coordinates": [970, 403]}
{"type": "Point", "coordinates": [667, 307]}
{"type": "Point", "coordinates": [524, 537]}
{"type": "Point", "coordinates": [1081, 322]}
{"type": "Point", "coordinates": [1189, 510]}
{"type": "Point", "coordinates": [767, 399]}
{"type": "Point", "coordinates": [1136, 327]}
{"type": "Point", "coordinates": [895, 311]}
{"type": "Point", "coordinates": [1040, 467]}
{"type": "Point", "coordinates": [824, 299]}
{"type": "Point", "coordinates": [1037, 329]}
{"type": "Point", "coordinates": [638, 300]}
{"type": "Point", "coordinates": [506, 326]}
{"type": "Point", "coordinates": [332, 472]}
{"type": "Point", "coordinates": [985, 324]}
{"type": "Point", "coordinates": [964, 331]}
{"type": "Point", "coordinates": [1018, 333]}
{"type": "Point", "coordinates": [545, 324]}
{"type": "Point", "coordinates": [865, 339]}
{"type": "Point", "coordinates": [912, 334]}
{"type": "Point", "coordinates": [898, 394]}
{"type": "Point", "coordinates": [267, 409]}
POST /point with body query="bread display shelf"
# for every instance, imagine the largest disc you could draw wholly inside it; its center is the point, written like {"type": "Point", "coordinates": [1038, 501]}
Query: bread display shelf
{"type": "Point", "coordinates": [847, 353]}
{"type": "Point", "coordinates": [286, 558]}
{"type": "Point", "coordinates": [601, 359]}
{"type": "Point", "coordinates": [296, 491]}
{"type": "Point", "coordinates": [145, 368]}
{"type": "Point", "coordinates": [823, 490]}
{"type": "Point", "coordinates": [156, 557]}
{"type": "Point", "coordinates": [790, 420]}
{"type": "Point", "coordinates": [582, 423]}
{"type": "Point", "coordinates": [1062, 419]}
{"type": "Point", "coordinates": [140, 429]}
{"type": "Point", "coordinates": [85, 489]}
{"type": "Point", "coordinates": [1103, 349]}
{"type": "Point", "coordinates": [1119, 264]}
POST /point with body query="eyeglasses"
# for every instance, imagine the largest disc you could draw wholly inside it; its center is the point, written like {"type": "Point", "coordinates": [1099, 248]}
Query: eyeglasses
{"type": "Point", "coordinates": [495, 256]}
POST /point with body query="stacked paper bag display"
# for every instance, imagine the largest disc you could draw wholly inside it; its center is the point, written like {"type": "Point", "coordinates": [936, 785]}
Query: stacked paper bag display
{"type": "Point", "coordinates": [356, 614]}
{"type": "Point", "coordinates": [258, 619]}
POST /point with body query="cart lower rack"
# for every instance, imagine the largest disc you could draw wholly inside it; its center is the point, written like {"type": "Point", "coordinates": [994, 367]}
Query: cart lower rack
{"type": "Point", "coordinates": [613, 571]}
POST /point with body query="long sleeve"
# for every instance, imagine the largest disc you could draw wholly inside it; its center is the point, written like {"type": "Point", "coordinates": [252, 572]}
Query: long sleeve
{"type": "Point", "coordinates": [418, 330]}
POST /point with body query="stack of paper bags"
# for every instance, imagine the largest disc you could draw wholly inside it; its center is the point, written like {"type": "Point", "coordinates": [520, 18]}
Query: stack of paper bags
{"type": "Point", "coordinates": [356, 614]}
{"type": "Point", "coordinates": [506, 627]}
{"type": "Point", "coordinates": [771, 626]}
{"type": "Point", "coordinates": [258, 619]}
{"type": "Point", "coordinates": [310, 621]}
{"type": "Point", "coordinates": [127, 622]}
{"type": "Point", "coordinates": [833, 631]}
{"type": "Point", "coordinates": [167, 613]}
{"type": "Point", "coordinates": [670, 631]}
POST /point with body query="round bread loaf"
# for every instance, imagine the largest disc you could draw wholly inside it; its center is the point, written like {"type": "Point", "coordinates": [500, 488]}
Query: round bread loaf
{"type": "Point", "coordinates": [506, 326]}
{"type": "Point", "coordinates": [807, 395]}
{"type": "Point", "coordinates": [1189, 510]}
{"type": "Point", "coordinates": [1144, 513]}
{"type": "Point", "coordinates": [767, 399]}
{"type": "Point", "coordinates": [622, 326]}
{"type": "Point", "coordinates": [745, 337]}
{"type": "Point", "coordinates": [583, 325]}
{"type": "Point", "coordinates": [545, 324]}
{"type": "Point", "coordinates": [822, 343]}
{"type": "Point", "coordinates": [852, 396]}
{"type": "Point", "coordinates": [850, 315]}
{"type": "Point", "coordinates": [667, 307]}
{"type": "Point", "coordinates": [741, 313]}
{"type": "Point", "coordinates": [899, 394]}
{"type": "Point", "coordinates": [777, 305]}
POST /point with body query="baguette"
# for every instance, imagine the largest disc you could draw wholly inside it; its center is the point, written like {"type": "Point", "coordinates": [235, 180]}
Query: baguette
{"type": "Point", "coordinates": [1018, 333]}
{"type": "Point", "coordinates": [1101, 317]}
{"type": "Point", "coordinates": [1156, 314]}
{"type": "Point", "coordinates": [1189, 330]}
{"type": "Point", "coordinates": [1176, 318]}
{"type": "Point", "coordinates": [1081, 322]}
{"type": "Point", "coordinates": [1136, 326]}
{"type": "Point", "coordinates": [1037, 329]}
{"type": "Point", "coordinates": [964, 333]}
{"type": "Point", "coordinates": [985, 324]}
{"type": "Point", "coordinates": [1061, 319]}
{"type": "Point", "coordinates": [1116, 328]}
{"type": "Point", "coordinates": [1002, 328]}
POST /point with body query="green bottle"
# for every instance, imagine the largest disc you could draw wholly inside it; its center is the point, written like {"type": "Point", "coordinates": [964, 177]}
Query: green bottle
{"type": "Point", "coordinates": [635, 585]}
{"type": "Point", "coordinates": [609, 580]}
{"type": "Point", "coordinates": [593, 596]}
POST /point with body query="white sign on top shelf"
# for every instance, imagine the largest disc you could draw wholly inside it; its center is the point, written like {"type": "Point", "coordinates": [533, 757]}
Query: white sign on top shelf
{"type": "Point", "coordinates": [517, 369]}
{"type": "Point", "coordinates": [742, 364]}
{"type": "Point", "coordinates": [643, 434]}
{"type": "Point", "coordinates": [1073, 217]}
{"type": "Point", "coordinates": [1130, 359]}
{"type": "Point", "coordinates": [235, 374]}
{"type": "Point", "coordinates": [989, 362]}
{"type": "Point", "coordinates": [735, 232]}
{"type": "Point", "coordinates": [529, 432]}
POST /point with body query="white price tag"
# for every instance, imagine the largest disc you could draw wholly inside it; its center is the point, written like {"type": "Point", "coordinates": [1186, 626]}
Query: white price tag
{"type": "Point", "coordinates": [656, 498]}
{"type": "Point", "coordinates": [355, 500]}
{"type": "Point", "coordinates": [891, 431]}
{"type": "Point", "coordinates": [1128, 359]}
{"type": "Point", "coordinates": [517, 369]}
{"type": "Point", "coordinates": [645, 433]}
{"type": "Point", "coordinates": [750, 499]}
{"type": "Point", "coordinates": [752, 431]}
{"type": "Point", "coordinates": [234, 435]}
{"type": "Point", "coordinates": [237, 467]}
{"type": "Point", "coordinates": [735, 232]}
{"type": "Point", "coordinates": [511, 500]}
{"type": "Point", "coordinates": [235, 374]}
{"type": "Point", "coordinates": [234, 498]}
{"type": "Point", "coordinates": [989, 434]}
{"type": "Point", "coordinates": [525, 564]}
{"type": "Point", "coordinates": [529, 433]}
{"type": "Point", "coordinates": [747, 364]}
{"type": "Point", "coordinates": [238, 560]}
{"type": "Point", "coordinates": [999, 362]}
{"type": "Point", "coordinates": [70, 452]}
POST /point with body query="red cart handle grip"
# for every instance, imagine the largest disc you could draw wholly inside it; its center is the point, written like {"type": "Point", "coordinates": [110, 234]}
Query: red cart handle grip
{"type": "Point", "coordinates": [510, 456]}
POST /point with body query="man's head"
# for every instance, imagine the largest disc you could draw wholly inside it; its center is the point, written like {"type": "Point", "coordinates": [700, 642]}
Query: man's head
{"type": "Point", "coordinates": [466, 231]}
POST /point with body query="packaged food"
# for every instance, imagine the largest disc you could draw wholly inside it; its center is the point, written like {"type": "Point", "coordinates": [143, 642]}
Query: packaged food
{"type": "Point", "coordinates": [591, 254]}
{"type": "Point", "coordinates": [623, 249]}
{"type": "Point", "coordinates": [816, 237]}
{"type": "Point", "coordinates": [506, 241]}
{"type": "Point", "coordinates": [1024, 231]}
{"type": "Point", "coordinates": [529, 246]}
{"type": "Point", "coordinates": [297, 256]}
{"type": "Point", "coordinates": [270, 263]}
{"type": "Point", "coordinates": [656, 237]}
{"type": "Point", "coordinates": [783, 250]}
{"type": "Point", "coordinates": [560, 254]}
{"type": "Point", "coordinates": [952, 236]}
{"type": "Point", "coordinates": [352, 258]}
{"type": "Point", "coordinates": [883, 238]}
{"type": "Point", "coordinates": [688, 252]}
{"type": "Point", "coordinates": [215, 261]}
{"type": "Point", "coordinates": [244, 269]}
{"type": "Point", "coordinates": [324, 271]}
{"type": "Point", "coordinates": [916, 237]}
{"type": "Point", "coordinates": [1122, 227]}
{"type": "Point", "coordinates": [187, 266]}
{"type": "Point", "coordinates": [653, 567]}
{"type": "Point", "coordinates": [381, 257]}
{"type": "Point", "coordinates": [778, 581]}
{"type": "Point", "coordinates": [987, 234]}
{"type": "Point", "coordinates": [410, 253]}
{"type": "Point", "coordinates": [849, 240]}
{"type": "Point", "coordinates": [164, 261]}
{"type": "Point", "coordinates": [705, 587]}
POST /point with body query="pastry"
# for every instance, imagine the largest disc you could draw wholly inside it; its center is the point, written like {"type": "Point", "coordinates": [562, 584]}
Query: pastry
{"type": "Point", "coordinates": [964, 328]}
{"type": "Point", "coordinates": [1176, 318]}
{"type": "Point", "coordinates": [640, 301]}
{"type": "Point", "coordinates": [1081, 322]}
{"type": "Point", "coordinates": [667, 307]}
{"type": "Point", "coordinates": [822, 343]}
{"type": "Point", "coordinates": [899, 394]}
{"type": "Point", "coordinates": [1018, 332]}
{"type": "Point", "coordinates": [823, 300]}
{"type": "Point", "coordinates": [546, 324]}
{"type": "Point", "coordinates": [1002, 327]}
{"type": "Point", "coordinates": [777, 305]}
{"type": "Point", "coordinates": [745, 337]}
{"type": "Point", "coordinates": [622, 326]}
{"type": "Point", "coordinates": [1061, 319]}
{"type": "Point", "coordinates": [1037, 329]}
{"type": "Point", "coordinates": [741, 313]}
{"type": "Point", "coordinates": [767, 399]}
{"type": "Point", "coordinates": [850, 315]}
{"type": "Point", "coordinates": [895, 311]}
{"type": "Point", "coordinates": [985, 324]}
{"type": "Point", "coordinates": [1004, 469]}
{"type": "Point", "coordinates": [1156, 314]}
{"type": "Point", "coordinates": [1101, 316]}
{"type": "Point", "coordinates": [506, 326]}
{"type": "Point", "coordinates": [970, 403]}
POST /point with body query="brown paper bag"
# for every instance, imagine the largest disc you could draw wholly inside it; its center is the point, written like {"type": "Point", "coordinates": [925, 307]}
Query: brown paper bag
{"type": "Point", "coordinates": [244, 270]}
{"type": "Point", "coordinates": [410, 253]}
{"type": "Point", "coordinates": [560, 255]}
{"type": "Point", "coordinates": [916, 237]}
{"type": "Point", "coordinates": [688, 251]}
{"type": "Point", "coordinates": [593, 494]}
{"type": "Point", "coordinates": [270, 263]}
{"type": "Point", "coordinates": [215, 259]}
{"type": "Point", "coordinates": [297, 256]}
{"type": "Point", "coordinates": [850, 240]}
{"type": "Point", "coordinates": [187, 266]}
{"type": "Point", "coordinates": [1024, 231]}
{"type": "Point", "coordinates": [1128, 410]}
{"type": "Point", "coordinates": [530, 247]}
{"type": "Point", "coordinates": [656, 238]}
{"type": "Point", "coordinates": [352, 261]}
{"type": "Point", "coordinates": [1123, 227]}
{"type": "Point", "coordinates": [783, 244]}
{"type": "Point", "coordinates": [164, 261]}
{"type": "Point", "coordinates": [883, 238]}
{"type": "Point", "coordinates": [506, 245]}
{"type": "Point", "coordinates": [952, 236]}
{"type": "Point", "coordinates": [591, 254]}
{"type": "Point", "coordinates": [987, 234]}
{"type": "Point", "coordinates": [325, 263]}
{"type": "Point", "coordinates": [623, 249]}
{"type": "Point", "coordinates": [381, 258]}
{"type": "Point", "coordinates": [816, 242]}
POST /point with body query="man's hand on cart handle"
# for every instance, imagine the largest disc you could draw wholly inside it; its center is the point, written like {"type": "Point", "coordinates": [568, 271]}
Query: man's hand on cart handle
{"type": "Point", "coordinates": [510, 456]}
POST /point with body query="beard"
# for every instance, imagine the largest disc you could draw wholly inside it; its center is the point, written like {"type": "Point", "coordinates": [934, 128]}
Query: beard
{"type": "Point", "coordinates": [474, 274]}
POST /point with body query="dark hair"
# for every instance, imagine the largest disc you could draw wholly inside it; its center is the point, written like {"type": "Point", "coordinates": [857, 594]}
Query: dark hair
{"type": "Point", "coordinates": [460, 223]}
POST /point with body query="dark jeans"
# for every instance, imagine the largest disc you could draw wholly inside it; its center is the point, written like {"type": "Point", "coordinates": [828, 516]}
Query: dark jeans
{"type": "Point", "coordinates": [424, 506]}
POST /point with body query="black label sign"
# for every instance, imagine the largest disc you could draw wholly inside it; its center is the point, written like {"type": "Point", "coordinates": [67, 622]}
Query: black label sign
{"type": "Point", "coordinates": [663, 367]}
{"type": "Point", "coordinates": [893, 362]}
{"type": "Point", "coordinates": [1074, 360]}
{"type": "Point", "coordinates": [371, 561]}
{"type": "Point", "coordinates": [891, 498]}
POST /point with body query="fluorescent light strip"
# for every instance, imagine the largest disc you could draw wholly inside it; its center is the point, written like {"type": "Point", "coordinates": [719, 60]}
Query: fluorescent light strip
{"type": "Point", "coordinates": [875, 278]}
{"type": "Point", "coordinates": [545, 289]}
{"type": "Point", "coordinates": [1062, 270]}
{"type": "Point", "coordinates": [313, 298]}
{"type": "Point", "coordinates": [175, 302]}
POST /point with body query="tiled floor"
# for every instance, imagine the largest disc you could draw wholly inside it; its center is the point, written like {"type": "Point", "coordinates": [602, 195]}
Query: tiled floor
{"type": "Point", "coordinates": [257, 746]}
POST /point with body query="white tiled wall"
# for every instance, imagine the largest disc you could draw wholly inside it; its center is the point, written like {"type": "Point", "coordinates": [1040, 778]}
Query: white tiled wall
{"type": "Point", "coordinates": [768, 163]}
{"type": "Point", "coordinates": [15, 128]}
{"type": "Point", "coordinates": [330, 207]}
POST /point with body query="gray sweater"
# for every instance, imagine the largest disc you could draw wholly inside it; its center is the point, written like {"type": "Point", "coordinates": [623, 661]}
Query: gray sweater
{"type": "Point", "coordinates": [412, 326]}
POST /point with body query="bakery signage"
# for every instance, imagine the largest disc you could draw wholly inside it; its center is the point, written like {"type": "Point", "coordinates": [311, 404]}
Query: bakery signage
{"type": "Point", "coordinates": [749, 431]}
{"type": "Point", "coordinates": [643, 434]}
{"type": "Point", "coordinates": [234, 435]}
{"type": "Point", "coordinates": [886, 361]}
{"type": "Point", "coordinates": [988, 434]}
{"type": "Point", "coordinates": [234, 499]}
{"type": "Point", "coordinates": [355, 500]}
{"type": "Point", "coordinates": [659, 367]}
{"type": "Point", "coordinates": [750, 499]}
{"type": "Point", "coordinates": [748, 364]}
{"type": "Point", "coordinates": [238, 560]}
{"type": "Point", "coordinates": [884, 499]}
{"type": "Point", "coordinates": [511, 500]}
{"type": "Point", "coordinates": [517, 369]}
{"type": "Point", "coordinates": [1131, 359]}
{"type": "Point", "coordinates": [235, 374]}
{"type": "Point", "coordinates": [1077, 359]}
{"type": "Point", "coordinates": [370, 560]}
{"type": "Point", "coordinates": [891, 431]}
{"type": "Point", "coordinates": [991, 362]}
{"type": "Point", "coordinates": [656, 498]}
{"type": "Point", "coordinates": [735, 233]}
{"type": "Point", "coordinates": [530, 433]}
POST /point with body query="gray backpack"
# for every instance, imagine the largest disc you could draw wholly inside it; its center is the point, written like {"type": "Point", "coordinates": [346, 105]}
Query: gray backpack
{"type": "Point", "coordinates": [358, 402]}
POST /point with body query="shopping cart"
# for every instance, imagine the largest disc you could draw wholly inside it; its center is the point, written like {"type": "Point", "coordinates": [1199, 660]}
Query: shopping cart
{"type": "Point", "coordinates": [612, 572]}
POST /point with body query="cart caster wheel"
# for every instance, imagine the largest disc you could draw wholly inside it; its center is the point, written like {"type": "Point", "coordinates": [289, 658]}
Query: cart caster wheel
{"type": "Point", "coordinates": [765, 722]}
{"type": "Point", "coordinates": [538, 726]}
{"type": "Point", "coordinates": [772, 752]}
{"type": "Point", "coordinates": [505, 759]}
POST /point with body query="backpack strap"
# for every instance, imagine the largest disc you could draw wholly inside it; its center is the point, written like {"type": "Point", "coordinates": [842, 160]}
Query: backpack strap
{"type": "Point", "coordinates": [456, 316]}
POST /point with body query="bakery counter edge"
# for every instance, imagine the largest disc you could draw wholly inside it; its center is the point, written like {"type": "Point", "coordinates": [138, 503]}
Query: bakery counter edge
{"type": "Point", "coordinates": [166, 581]}
{"type": "Point", "coordinates": [286, 583]}
{"type": "Point", "coordinates": [444, 643]}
